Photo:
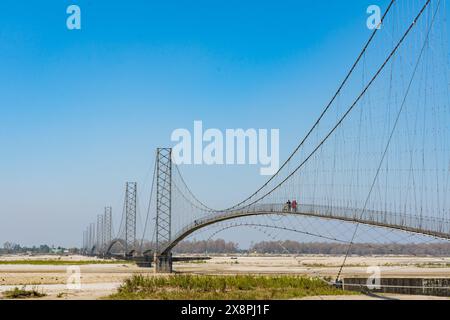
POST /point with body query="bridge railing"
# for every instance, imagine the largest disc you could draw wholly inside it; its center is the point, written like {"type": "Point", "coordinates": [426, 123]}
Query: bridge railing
{"type": "Point", "coordinates": [382, 218]}
{"type": "Point", "coordinates": [418, 224]}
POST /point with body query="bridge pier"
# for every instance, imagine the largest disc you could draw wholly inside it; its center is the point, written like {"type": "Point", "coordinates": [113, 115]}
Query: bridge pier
{"type": "Point", "coordinates": [163, 263]}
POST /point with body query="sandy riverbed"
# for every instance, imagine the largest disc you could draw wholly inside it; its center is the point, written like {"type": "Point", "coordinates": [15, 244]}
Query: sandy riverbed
{"type": "Point", "coordinates": [100, 280]}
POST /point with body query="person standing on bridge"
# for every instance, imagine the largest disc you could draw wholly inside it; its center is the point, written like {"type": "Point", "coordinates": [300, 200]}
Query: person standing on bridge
{"type": "Point", "coordinates": [288, 205]}
{"type": "Point", "coordinates": [294, 205]}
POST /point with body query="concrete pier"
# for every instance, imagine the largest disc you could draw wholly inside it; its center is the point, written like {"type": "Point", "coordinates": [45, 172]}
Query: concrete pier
{"type": "Point", "coordinates": [163, 263]}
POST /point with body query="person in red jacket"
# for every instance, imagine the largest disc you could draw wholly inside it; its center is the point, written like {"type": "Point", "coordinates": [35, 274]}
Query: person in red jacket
{"type": "Point", "coordinates": [294, 205]}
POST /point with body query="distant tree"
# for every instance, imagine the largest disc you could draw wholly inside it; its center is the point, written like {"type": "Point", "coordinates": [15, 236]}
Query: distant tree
{"type": "Point", "coordinates": [210, 246]}
{"type": "Point", "coordinates": [7, 246]}
{"type": "Point", "coordinates": [11, 247]}
{"type": "Point", "coordinates": [43, 248]}
{"type": "Point", "coordinates": [362, 249]}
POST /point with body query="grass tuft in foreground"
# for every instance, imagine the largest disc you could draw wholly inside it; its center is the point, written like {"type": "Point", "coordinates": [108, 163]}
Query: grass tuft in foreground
{"type": "Point", "coordinates": [240, 287]}
{"type": "Point", "coordinates": [17, 293]}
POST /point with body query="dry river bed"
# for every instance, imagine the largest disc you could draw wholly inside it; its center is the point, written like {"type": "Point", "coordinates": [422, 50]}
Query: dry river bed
{"type": "Point", "coordinates": [100, 280]}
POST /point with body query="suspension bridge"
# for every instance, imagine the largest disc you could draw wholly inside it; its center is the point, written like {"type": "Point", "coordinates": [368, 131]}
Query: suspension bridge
{"type": "Point", "coordinates": [377, 156]}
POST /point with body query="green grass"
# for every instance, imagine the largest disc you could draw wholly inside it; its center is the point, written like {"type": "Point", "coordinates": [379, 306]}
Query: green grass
{"type": "Point", "coordinates": [17, 293]}
{"type": "Point", "coordinates": [433, 265]}
{"type": "Point", "coordinates": [196, 262]}
{"type": "Point", "coordinates": [240, 287]}
{"type": "Point", "coordinates": [62, 262]}
{"type": "Point", "coordinates": [323, 265]}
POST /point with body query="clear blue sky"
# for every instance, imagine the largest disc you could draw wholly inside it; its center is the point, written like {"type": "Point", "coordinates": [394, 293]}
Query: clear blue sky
{"type": "Point", "coordinates": [81, 112]}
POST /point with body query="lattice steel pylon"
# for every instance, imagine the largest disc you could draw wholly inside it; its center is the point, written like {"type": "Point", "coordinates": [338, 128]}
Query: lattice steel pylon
{"type": "Point", "coordinates": [130, 216]}
{"type": "Point", "coordinates": [91, 236]}
{"type": "Point", "coordinates": [99, 244]}
{"type": "Point", "coordinates": [85, 245]}
{"type": "Point", "coordinates": [107, 226]}
{"type": "Point", "coordinates": [163, 196]}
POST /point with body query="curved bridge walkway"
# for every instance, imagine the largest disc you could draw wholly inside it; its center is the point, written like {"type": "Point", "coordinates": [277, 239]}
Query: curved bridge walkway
{"type": "Point", "coordinates": [434, 227]}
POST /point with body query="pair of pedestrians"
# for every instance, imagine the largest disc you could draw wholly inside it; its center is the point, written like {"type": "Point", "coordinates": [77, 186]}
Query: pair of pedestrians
{"type": "Point", "coordinates": [291, 206]}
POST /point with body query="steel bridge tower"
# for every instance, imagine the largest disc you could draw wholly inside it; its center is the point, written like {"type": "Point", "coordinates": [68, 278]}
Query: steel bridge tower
{"type": "Point", "coordinates": [99, 244]}
{"type": "Point", "coordinates": [85, 240]}
{"type": "Point", "coordinates": [107, 226]}
{"type": "Point", "coordinates": [91, 237]}
{"type": "Point", "coordinates": [130, 216]}
{"type": "Point", "coordinates": [163, 208]}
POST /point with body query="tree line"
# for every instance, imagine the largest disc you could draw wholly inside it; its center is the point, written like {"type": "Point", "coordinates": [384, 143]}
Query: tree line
{"type": "Point", "coordinates": [15, 248]}
{"type": "Point", "coordinates": [220, 246]}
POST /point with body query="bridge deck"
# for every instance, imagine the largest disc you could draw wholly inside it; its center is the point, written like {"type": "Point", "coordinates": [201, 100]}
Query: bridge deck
{"type": "Point", "coordinates": [434, 227]}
